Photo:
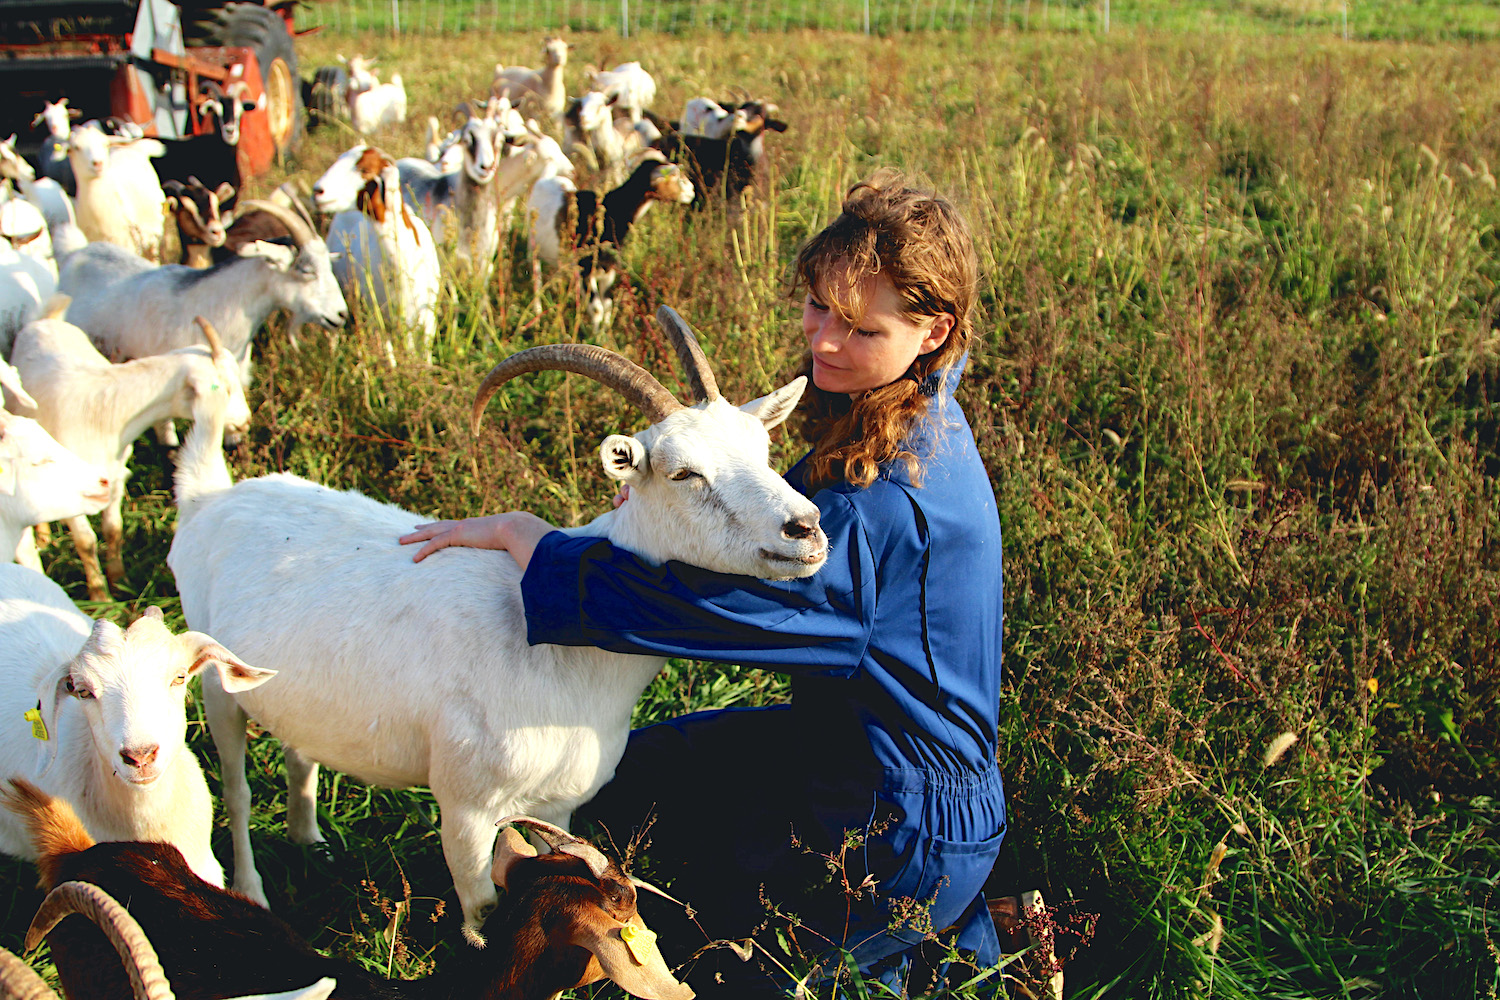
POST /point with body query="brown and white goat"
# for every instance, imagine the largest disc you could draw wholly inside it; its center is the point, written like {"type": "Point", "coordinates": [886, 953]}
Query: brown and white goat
{"type": "Point", "coordinates": [200, 217]}
{"type": "Point", "coordinates": [569, 919]}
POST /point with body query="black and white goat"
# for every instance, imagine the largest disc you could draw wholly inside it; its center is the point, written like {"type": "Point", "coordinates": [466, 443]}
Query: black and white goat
{"type": "Point", "coordinates": [563, 216]}
{"type": "Point", "coordinates": [726, 167]}
{"type": "Point", "coordinates": [569, 919]}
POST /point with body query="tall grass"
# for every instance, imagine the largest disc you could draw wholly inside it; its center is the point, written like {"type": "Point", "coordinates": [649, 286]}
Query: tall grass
{"type": "Point", "coordinates": [1237, 395]}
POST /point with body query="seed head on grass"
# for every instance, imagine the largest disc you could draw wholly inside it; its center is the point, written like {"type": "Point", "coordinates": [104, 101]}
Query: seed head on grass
{"type": "Point", "coordinates": [1278, 748]}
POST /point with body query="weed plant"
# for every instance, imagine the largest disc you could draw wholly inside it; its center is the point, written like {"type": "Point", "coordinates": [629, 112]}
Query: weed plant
{"type": "Point", "coordinates": [1237, 392]}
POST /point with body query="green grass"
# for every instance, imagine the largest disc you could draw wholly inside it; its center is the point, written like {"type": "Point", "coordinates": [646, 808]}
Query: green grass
{"type": "Point", "coordinates": [1238, 398]}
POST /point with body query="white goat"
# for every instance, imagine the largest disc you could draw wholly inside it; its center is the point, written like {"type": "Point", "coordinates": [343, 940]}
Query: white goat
{"type": "Point", "coordinates": [108, 719]}
{"type": "Point", "coordinates": [28, 274]}
{"type": "Point", "coordinates": [97, 410]}
{"type": "Point", "coordinates": [471, 201]}
{"type": "Point", "coordinates": [629, 85]}
{"type": "Point", "coordinates": [589, 134]}
{"type": "Point", "coordinates": [546, 88]}
{"type": "Point", "coordinates": [708, 118]}
{"type": "Point", "coordinates": [40, 480]}
{"type": "Point", "coordinates": [47, 195]}
{"type": "Point", "coordinates": [385, 253]}
{"type": "Point", "coordinates": [373, 104]}
{"type": "Point", "coordinates": [119, 197]}
{"type": "Point", "coordinates": [404, 673]}
{"type": "Point", "coordinates": [131, 308]}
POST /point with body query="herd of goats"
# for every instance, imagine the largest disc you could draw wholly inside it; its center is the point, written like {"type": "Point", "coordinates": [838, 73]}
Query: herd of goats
{"type": "Point", "coordinates": [316, 622]}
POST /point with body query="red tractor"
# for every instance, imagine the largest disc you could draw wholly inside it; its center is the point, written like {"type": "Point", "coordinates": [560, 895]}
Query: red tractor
{"type": "Point", "coordinates": [155, 63]}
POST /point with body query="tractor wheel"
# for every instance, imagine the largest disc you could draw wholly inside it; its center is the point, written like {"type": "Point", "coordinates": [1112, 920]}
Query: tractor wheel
{"type": "Point", "coordinates": [262, 30]}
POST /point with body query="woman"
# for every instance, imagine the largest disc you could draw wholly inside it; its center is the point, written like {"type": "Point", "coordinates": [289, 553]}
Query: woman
{"type": "Point", "coordinates": [879, 777]}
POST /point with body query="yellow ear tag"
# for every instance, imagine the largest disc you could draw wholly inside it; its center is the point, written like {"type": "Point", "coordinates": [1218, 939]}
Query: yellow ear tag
{"type": "Point", "coordinates": [641, 942]}
{"type": "Point", "coordinates": [38, 727]}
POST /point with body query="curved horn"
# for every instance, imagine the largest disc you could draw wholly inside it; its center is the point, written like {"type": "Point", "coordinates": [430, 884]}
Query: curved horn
{"type": "Point", "coordinates": [694, 365]}
{"type": "Point", "coordinates": [215, 345]}
{"type": "Point", "coordinates": [604, 366]}
{"type": "Point", "coordinates": [302, 233]}
{"type": "Point", "coordinates": [19, 981]}
{"type": "Point", "coordinates": [563, 842]}
{"type": "Point", "coordinates": [147, 979]}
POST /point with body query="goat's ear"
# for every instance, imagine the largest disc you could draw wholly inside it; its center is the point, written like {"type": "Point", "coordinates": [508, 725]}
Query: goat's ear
{"type": "Point", "coordinates": [10, 380]}
{"type": "Point", "coordinates": [775, 407]}
{"type": "Point", "coordinates": [624, 458]}
{"type": "Point", "coordinates": [278, 256]}
{"type": "Point", "coordinates": [224, 192]}
{"type": "Point", "coordinates": [629, 956]}
{"type": "Point", "coordinates": [235, 675]}
{"type": "Point", "coordinates": [511, 846]}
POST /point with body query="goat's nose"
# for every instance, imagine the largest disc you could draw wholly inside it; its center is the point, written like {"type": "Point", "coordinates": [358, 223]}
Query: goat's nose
{"type": "Point", "coordinates": [801, 527]}
{"type": "Point", "coordinates": [139, 756]}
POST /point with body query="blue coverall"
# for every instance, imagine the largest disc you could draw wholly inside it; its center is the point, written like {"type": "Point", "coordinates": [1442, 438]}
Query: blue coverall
{"type": "Point", "coordinates": [893, 650]}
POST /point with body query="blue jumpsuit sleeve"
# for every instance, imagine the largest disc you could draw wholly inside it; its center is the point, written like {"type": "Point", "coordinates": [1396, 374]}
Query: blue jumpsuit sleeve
{"type": "Point", "coordinates": [582, 591]}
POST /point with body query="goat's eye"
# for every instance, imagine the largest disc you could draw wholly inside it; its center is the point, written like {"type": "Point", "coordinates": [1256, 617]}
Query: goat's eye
{"type": "Point", "coordinates": [78, 691]}
{"type": "Point", "coordinates": [180, 679]}
{"type": "Point", "coordinates": [682, 474]}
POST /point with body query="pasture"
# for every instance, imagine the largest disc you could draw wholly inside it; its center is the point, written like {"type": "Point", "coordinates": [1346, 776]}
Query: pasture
{"type": "Point", "coordinates": [1237, 393]}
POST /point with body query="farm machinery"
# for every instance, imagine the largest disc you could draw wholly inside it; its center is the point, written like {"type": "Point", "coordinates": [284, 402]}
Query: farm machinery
{"type": "Point", "coordinates": [155, 64]}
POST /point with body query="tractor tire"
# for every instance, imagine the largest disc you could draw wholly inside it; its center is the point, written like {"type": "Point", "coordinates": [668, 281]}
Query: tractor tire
{"type": "Point", "coordinates": [263, 31]}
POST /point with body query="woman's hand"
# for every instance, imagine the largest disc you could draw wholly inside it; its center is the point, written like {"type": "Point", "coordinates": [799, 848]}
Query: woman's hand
{"type": "Point", "coordinates": [516, 532]}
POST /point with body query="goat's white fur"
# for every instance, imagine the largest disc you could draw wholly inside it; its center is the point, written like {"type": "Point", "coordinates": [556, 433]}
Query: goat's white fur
{"type": "Point", "coordinates": [119, 197]}
{"type": "Point", "coordinates": [708, 118]}
{"type": "Point", "coordinates": [632, 88]}
{"type": "Point", "coordinates": [40, 480]}
{"type": "Point", "coordinates": [404, 673]}
{"type": "Point", "coordinates": [97, 409]}
{"type": "Point", "coordinates": [373, 104]}
{"type": "Point", "coordinates": [386, 255]}
{"type": "Point", "coordinates": [112, 703]}
{"type": "Point", "coordinates": [131, 308]}
{"type": "Point", "coordinates": [547, 87]}
{"type": "Point", "coordinates": [471, 201]}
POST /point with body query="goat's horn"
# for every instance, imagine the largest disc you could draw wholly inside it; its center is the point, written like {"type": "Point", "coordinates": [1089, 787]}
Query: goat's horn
{"type": "Point", "coordinates": [604, 366]}
{"type": "Point", "coordinates": [694, 365]}
{"type": "Point", "coordinates": [215, 345]}
{"type": "Point", "coordinates": [563, 842]}
{"type": "Point", "coordinates": [19, 981]}
{"type": "Point", "coordinates": [641, 883]}
{"type": "Point", "coordinates": [147, 979]}
{"type": "Point", "coordinates": [302, 233]}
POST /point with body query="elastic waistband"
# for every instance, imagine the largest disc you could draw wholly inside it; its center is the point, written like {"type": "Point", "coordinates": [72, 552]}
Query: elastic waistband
{"type": "Point", "coordinates": [915, 779]}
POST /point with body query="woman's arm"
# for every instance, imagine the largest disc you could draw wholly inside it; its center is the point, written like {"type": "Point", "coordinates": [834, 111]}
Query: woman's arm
{"type": "Point", "coordinates": [516, 531]}
{"type": "Point", "coordinates": [587, 591]}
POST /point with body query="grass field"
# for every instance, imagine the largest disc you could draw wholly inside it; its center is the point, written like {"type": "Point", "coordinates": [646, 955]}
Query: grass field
{"type": "Point", "coordinates": [1238, 398]}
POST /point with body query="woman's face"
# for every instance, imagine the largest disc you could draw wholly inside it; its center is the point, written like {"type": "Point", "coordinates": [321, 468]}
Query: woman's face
{"type": "Point", "coordinates": [877, 350]}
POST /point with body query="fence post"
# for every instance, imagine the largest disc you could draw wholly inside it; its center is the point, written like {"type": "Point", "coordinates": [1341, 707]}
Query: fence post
{"type": "Point", "coordinates": [624, 18]}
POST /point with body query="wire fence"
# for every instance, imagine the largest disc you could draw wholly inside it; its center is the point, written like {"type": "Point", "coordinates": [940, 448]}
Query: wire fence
{"type": "Point", "coordinates": [1477, 20]}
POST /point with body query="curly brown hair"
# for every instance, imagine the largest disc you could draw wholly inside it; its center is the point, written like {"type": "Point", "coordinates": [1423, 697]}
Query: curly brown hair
{"type": "Point", "coordinates": [919, 242]}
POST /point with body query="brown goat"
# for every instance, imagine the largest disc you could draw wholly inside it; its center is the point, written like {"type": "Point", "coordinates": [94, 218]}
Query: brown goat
{"type": "Point", "coordinates": [199, 214]}
{"type": "Point", "coordinates": [569, 918]}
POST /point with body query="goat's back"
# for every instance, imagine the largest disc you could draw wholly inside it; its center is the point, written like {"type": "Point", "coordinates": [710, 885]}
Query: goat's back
{"type": "Point", "coordinates": [253, 950]}
{"type": "Point", "coordinates": [383, 660]}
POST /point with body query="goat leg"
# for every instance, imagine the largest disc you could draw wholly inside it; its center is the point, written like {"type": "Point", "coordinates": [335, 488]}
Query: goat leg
{"type": "Point", "coordinates": [301, 797]}
{"type": "Point", "coordinates": [87, 545]}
